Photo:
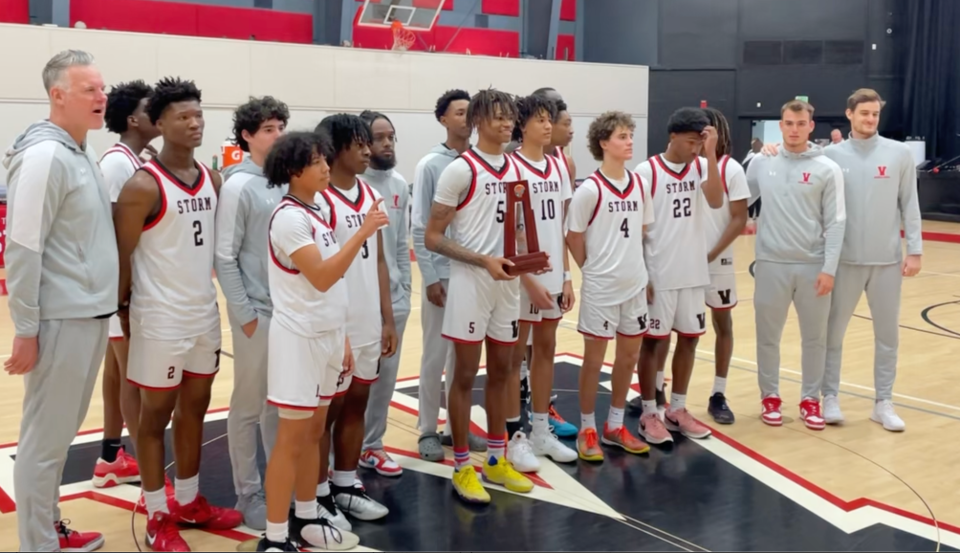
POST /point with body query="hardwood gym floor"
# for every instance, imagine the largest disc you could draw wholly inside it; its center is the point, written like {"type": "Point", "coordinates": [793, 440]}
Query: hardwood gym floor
{"type": "Point", "coordinates": [750, 487]}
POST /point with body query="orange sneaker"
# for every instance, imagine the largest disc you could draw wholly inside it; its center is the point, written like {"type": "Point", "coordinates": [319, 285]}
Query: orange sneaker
{"type": "Point", "coordinates": [623, 439]}
{"type": "Point", "coordinates": [588, 445]}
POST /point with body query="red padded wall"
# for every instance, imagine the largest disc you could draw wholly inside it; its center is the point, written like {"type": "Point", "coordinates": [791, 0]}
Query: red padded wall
{"type": "Point", "coordinates": [488, 42]}
{"type": "Point", "coordinates": [568, 43]}
{"type": "Point", "coordinates": [14, 11]}
{"type": "Point", "coordinates": [502, 7]}
{"type": "Point", "coordinates": [568, 10]}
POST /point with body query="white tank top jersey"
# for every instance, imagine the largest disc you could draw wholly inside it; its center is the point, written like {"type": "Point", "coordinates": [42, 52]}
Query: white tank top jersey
{"type": "Point", "coordinates": [612, 215]}
{"type": "Point", "coordinates": [173, 293]}
{"type": "Point", "coordinates": [118, 164]}
{"type": "Point", "coordinates": [475, 183]}
{"type": "Point", "coordinates": [734, 189]}
{"type": "Point", "coordinates": [346, 210]}
{"type": "Point", "coordinates": [676, 244]}
{"type": "Point", "coordinates": [297, 305]}
{"type": "Point", "coordinates": [549, 183]}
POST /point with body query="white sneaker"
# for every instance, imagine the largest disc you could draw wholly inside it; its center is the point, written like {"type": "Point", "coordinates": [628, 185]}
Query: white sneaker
{"type": "Point", "coordinates": [355, 502]}
{"type": "Point", "coordinates": [520, 454]}
{"type": "Point", "coordinates": [831, 410]}
{"type": "Point", "coordinates": [884, 413]}
{"type": "Point", "coordinates": [546, 444]}
{"type": "Point", "coordinates": [327, 510]}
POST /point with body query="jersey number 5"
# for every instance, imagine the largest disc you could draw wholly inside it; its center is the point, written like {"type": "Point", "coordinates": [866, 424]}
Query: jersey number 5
{"type": "Point", "coordinates": [681, 207]}
{"type": "Point", "coordinates": [197, 240]}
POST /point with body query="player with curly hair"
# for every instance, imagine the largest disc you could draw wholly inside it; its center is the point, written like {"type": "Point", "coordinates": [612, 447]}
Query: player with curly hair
{"type": "Point", "coordinates": [168, 308]}
{"type": "Point", "coordinates": [125, 115]}
{"type": "Point", "coordinates": [241, 261]}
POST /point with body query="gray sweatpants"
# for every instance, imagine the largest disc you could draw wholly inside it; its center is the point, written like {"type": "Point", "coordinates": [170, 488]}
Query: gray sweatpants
{"type": "Point", "coordinates": [55, 402]}
{"type": "Point", "coordinates": [248, 406]}
{"type": "Point", "coordinates": [381, 391]}
{"type": "Point", "coordinates": [777, 286]}
{"type": "Point", "coordinates": [882, 284]}
{"type": "Point", "coordinates": [438, 353]}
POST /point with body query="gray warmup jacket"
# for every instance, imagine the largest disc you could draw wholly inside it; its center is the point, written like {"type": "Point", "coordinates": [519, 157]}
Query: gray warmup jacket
{"type": "Point", "coordinates": [243, 217]}
{"type": "Point", "coordinates": [804, 213]}
{"type": "Point", "coordinates": [433, 267]}
{"type": "Point", "coordinates": [880, 184]}
{"type": "Point", "coordinates": [61, 254]}
{"type": "Point", "coordinates": [396, 248]}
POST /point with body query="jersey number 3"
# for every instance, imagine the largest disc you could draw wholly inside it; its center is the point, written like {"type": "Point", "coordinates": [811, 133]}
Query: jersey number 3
{"type": "Point", "coordinates": [197, 239]}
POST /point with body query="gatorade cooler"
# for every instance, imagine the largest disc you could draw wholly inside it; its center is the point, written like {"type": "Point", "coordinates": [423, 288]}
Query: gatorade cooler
{"type": "Point", "coordinates": [230, 154]}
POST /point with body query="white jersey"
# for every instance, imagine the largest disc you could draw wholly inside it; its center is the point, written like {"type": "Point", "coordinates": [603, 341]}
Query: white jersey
{"type": "Point", "coordinates": [118, 164]}
{"type": "Point", "coordinates": [346, 210]}
{"type": "Point", "coordinates": [173, 295]}
{"type": "Point", "coordinates": [475, 183]}
{"type": "Point", "coordinates": [549, 182]}
{"type": "Point", "coordinates": [734, 189]}
{"type": "Point", "coordinates": [297, 305]}
{"type": "Point", "coordinates": [676, 247]}
{"type": "Point", "coordinates": [612, 215]}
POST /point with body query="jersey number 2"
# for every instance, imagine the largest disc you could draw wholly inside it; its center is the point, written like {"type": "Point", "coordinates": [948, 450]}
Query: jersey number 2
{"type": "Point", "coordinates": [197, 240]}
{"type": "Point", "coordinates": [681, 207]}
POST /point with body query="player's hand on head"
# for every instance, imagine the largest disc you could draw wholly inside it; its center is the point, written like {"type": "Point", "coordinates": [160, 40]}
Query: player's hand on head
{"type": "Point", "coordinates": [375, 220]}
{"type": "Point", "coordinates": [496, 266]}
{"type": "Point", "coordinates": [709, 135]}
{"type": "Point", "coordinates": [770, 149]}
{"type": "Point", "coordinates": [436, 294]}
{"type": "Point", "coordinates": [24, 356]}
{"type": "Point", "coordinates": [824, 284]}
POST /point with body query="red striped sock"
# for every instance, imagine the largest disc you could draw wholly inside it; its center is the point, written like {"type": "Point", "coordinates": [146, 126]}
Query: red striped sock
{"type": "Point", "coordinates": [461, 457]}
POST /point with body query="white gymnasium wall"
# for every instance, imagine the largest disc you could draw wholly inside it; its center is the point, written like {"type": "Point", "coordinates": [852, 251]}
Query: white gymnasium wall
{"type": "Point", "coordinates": [313, 80]}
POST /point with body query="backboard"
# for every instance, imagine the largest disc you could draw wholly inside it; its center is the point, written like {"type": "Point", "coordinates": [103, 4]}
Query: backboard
{"type": "Point", "coordinates": [415, 15]}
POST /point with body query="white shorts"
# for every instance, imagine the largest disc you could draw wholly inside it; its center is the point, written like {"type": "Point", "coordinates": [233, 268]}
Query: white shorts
{"type": "Point", "coordinates": [162, 364]}
{"type": "Point", "coordinates": [628, 319]}
{"type": "Point", "coordinates": [479, 307]}
{"type": "Point", "coordinates": [366, 363]}
{"type": "Point", "coordinates": [722, 292]}
{"type": "Point", "coordinates": [303, 373]}
{"type": "Point", "coordinates": [681, 311]}
{"type": "Point", "coordinates": [116, 331]}
{"type": "Point", "coordinates": [530, 313]}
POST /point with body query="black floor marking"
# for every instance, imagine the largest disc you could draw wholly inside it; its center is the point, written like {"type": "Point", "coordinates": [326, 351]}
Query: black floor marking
{"type": "Point", "coordinates": [926, 317]}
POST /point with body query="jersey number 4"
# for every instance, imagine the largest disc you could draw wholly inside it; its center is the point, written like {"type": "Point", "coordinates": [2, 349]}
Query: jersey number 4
{"type": "Point", "coordinates": [197, 239]}
{"type": "Point", "coordinates": [681, 207]}
{"type": "Point", "coordinates": [625, 228]}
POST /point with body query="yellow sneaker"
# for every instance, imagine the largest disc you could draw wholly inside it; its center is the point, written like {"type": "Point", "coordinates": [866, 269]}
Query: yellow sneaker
{"type": "Point", "coordinates": [504, 474]}
{"type": "Point", "coordinates": [468, 486]}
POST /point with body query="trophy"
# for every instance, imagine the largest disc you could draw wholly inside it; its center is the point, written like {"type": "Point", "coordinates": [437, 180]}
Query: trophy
{"type": "Point", "coordinates": [535, 260]}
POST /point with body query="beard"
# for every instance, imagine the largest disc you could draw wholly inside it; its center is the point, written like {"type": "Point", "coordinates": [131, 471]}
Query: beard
{"type": "Point", "coordinates": [383, 163]}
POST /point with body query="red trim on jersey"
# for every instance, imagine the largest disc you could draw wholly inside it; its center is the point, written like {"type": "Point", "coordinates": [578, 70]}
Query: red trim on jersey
{"type": "Point", "coordinates": [198, 375]}
{"type": "Point", "coordinates": [497, 173]}
{"type": "Point", "coordinates": [365, 381]}
{"type": "Point", "coordinates": [596, 208]}
{"type": "Point", "coordinates": [499, 343]}
{"type": "Point", "coordinates": [631, 335]}
{"type": "Point", "coordinates": [473, 184]}
{"type": "Point", "coordinates": [125, 150]}
{"type": "Point", "coordinates": [292, 407]}
{"type": "Point", "coordinates": [459, 341]}
{"type": "Point", "coordinates": [151, 388]}
{"type": "Point", "coordinates": [653, 177]}
{"type": "Point", "coordinates": [594, 336]}
{"type": "Point", "coordinates": [685, 335]}
{"type": "Point", "coordinates": [116, 338]}
{"type": "Point", "coordinates": [671, 172]}
{"type": "Point", "coordinates": [360, 197]}
{"type": "Point", "coordinates": [549, 170]}
{"type": "Point", "coordinates": [643, 195]}
{"type": "Point", "coordinates": [551, 319]}
{"type": "Point", "coordinates": [273, 255]}
{"type": "Point", "coordinates": [724, 308]}
{"type": "Point", "coordinates": [197, 186]}
{"type": "Point", "coordinates": [622, 195]}
{"type": "Point", "coordinates": [163, 197]}
{"type": "Point", "coordinates": [699, 169]}
{"type": "Point", "coordinates": [723, 173]}
{"type": "Point", "coordinates": [333, 211]}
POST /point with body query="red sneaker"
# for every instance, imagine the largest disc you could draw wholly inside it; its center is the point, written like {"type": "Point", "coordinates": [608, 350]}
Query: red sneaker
{"type": "Point", "coordinates": [380, 461]}
{"type": "Point", "coordinates": [622, 438]}
{"type": "Point", "coordinates": [163, 534]}
{"type": "Point", "coordinates": [168, 489]}
{"type": "Point", "coordinates": [810, 413]}
{"type": "Point", "coordinates": [771, 414]}
{"type": "Point", "coordinates": [202, 514]}
{"type": "Point", "coordinates": [123, 470]}
{"type": "Point", "coordinates": [77, 541]}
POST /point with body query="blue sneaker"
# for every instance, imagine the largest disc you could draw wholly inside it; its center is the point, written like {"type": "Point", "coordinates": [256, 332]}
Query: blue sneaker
{"type": "Point", "coordinates": [560, 427]}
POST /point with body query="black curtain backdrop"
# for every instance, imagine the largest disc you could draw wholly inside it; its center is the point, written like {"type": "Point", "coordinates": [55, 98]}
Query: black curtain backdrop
{"type": "Point", "coordinates": [932, 83]}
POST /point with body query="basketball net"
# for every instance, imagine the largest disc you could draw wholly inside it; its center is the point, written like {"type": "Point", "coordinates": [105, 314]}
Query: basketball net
{"type": "Point", "coordinates": [402, 38]}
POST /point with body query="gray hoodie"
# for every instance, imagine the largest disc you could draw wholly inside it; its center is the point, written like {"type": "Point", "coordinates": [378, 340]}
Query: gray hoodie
{"type": "Point", "coordinates": [243, 217]}
{"type": "Point", "coordinates": [61, 254]}
{"type": "Point", "coordinates": [880, 183]}
{"type": "Point", "coordinates": [804, 212]}
{"type": "Point", "coordinates": [433, 267]}
{"type": "Point", "coordinates": [396, 249]}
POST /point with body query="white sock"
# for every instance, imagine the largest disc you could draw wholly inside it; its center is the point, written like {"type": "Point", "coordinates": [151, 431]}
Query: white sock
{"type": "Point", "coordinates": [323, 489]}
{"type": "Point", "coordinates": [277, 532]}
{"type": "Point", "coordinates": [344, 478]}
{"type": "Point", "coordinates": [306, 510]}
{"type": "Point", "coordinates": [719, 385]}
{"type": "Point", "coordinates": [541, 423]}
{"type": "Point", "coordinates": [614, 419]}
{"type": "Point", "coordinates": [678, 402]}
{"type": "Point", "coordinates": [659, 381]}
{"type": "Point", "coordinates": [649, 406]}
{"type": "Point", "coordinates": [588, 420]}
{"type": "Point", "coordinates": [186, 490]}
{"type": "Point", "coordinates": [156, 502]}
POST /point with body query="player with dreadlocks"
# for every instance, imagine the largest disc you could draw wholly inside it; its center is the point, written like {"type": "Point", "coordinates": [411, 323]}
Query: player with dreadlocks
{"type": "Point", "coordinates": [126, 115]}
{"type": "Point", "coordinates": [370, 323]}
{"type": "Point", "coordinates": [168, 308]}
{"type": "Point", "coordinates": [483, 302]}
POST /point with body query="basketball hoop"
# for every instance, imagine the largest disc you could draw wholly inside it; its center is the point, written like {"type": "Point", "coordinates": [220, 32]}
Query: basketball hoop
{"type": "Point", "coordinates": [402, 38]}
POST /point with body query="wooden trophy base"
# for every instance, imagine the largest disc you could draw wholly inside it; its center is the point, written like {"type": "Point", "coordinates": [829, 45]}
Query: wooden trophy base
{"type": "Point", "coordinates": [527, 263]}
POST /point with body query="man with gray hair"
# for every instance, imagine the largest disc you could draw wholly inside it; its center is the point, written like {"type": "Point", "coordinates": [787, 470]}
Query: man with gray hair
{"type": "Point", "coordinates": [62, 277]}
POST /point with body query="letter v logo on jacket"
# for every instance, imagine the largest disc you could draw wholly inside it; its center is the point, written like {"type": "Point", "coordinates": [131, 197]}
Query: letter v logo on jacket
{"type": "Point", "coordinates": [882, 172]}
{"type": "Point", "coordinates": [806, 178]}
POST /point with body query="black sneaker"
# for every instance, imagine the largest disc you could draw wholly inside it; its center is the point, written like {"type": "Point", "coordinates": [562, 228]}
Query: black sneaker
{"type": "Point", "coordinates": [635, 405]}
{"type": "Point", "coordinates": [267, 545]}
{"type": "Point", "coordinates": [327, 509]}
{"type": "Point", "coordinates": [525, 390]}
{"type": "Point", "coordinates": [719, 409]}
{"type": "Point", "coordinates": [321, 534]}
